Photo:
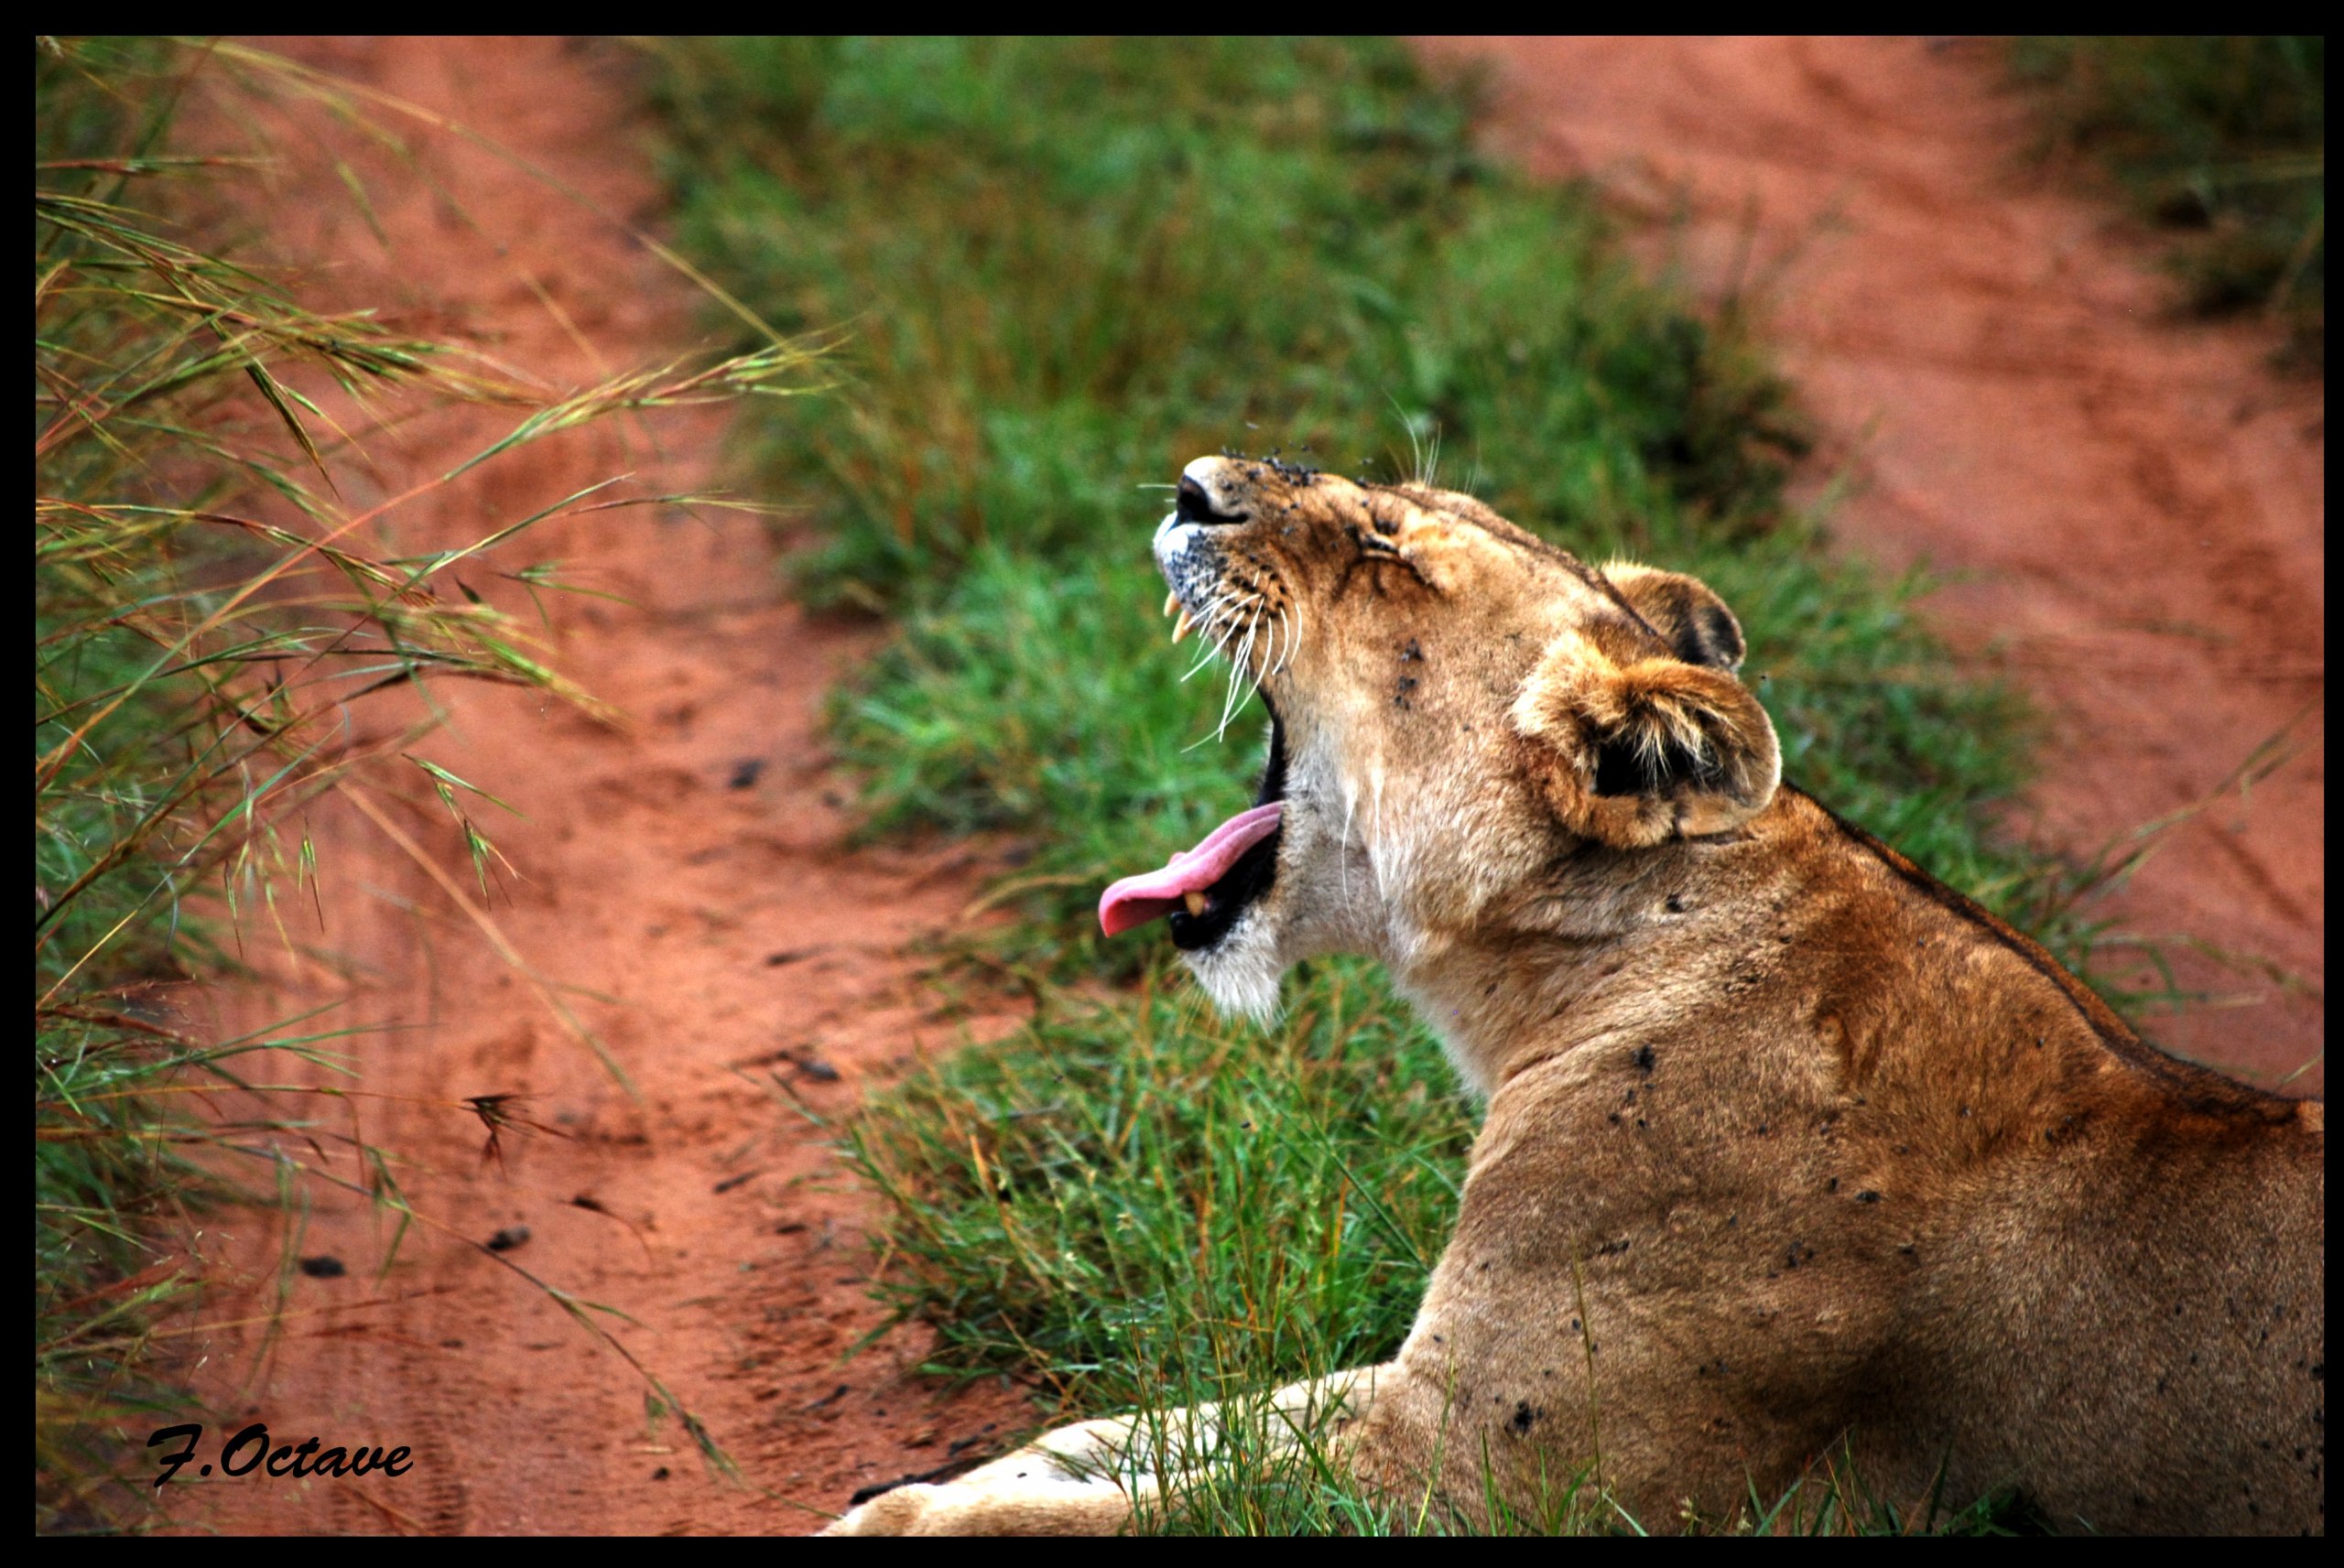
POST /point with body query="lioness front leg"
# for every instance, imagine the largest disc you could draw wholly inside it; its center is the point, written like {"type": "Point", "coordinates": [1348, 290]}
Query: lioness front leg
{"type": "Point", "coordinates": [1094, 1476]}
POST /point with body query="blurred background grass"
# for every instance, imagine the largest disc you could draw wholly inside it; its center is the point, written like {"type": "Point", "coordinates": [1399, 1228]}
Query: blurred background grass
{"type": "Point", "coordinates": [2223, 142]}
{"type": "Point", "coordinates": [1070, 266]}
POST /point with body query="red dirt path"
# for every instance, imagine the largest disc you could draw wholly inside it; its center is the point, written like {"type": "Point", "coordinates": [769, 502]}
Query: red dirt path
{"type": "Point", "coordinates": [704, 923]}
{"type": "Point", "coordinates": [2130, 509]}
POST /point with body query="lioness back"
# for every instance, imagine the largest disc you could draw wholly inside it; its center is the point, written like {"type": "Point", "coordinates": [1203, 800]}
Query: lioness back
{"type": "Point", "coordinates": [2036, 1142]}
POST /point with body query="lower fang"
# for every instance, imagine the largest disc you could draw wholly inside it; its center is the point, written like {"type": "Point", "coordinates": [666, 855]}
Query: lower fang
{"type": "Point", "coordinates": [1182, 627]}
{"type": "Point", "coordinates": [1171, 602]}
{"type": "Point", "coordinates": [1196, 902]}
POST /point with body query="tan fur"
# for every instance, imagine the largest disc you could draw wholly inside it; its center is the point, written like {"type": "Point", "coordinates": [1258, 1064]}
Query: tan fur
{"type": "Point", "coordinates": [1790, 1151]}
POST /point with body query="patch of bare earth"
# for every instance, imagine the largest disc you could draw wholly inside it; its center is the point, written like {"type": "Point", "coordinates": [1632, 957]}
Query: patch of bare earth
{"type": "Point", "coordinates": [681, 884]}
{"type": "Point", "coordinates": [2128, 510]}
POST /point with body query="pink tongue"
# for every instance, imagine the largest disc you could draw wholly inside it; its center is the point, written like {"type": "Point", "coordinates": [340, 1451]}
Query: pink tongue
{"type": "Point", "coordinates": [1152, 896]}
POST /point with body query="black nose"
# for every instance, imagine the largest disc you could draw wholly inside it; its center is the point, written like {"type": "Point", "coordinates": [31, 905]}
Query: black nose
{"type": "Point", "coordinates": [1196, 506]}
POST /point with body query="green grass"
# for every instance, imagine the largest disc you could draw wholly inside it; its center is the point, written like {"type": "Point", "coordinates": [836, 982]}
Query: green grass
{"type": "Point", "coordinates": [2220, 140]}
{"type": "Point", "coordinates": [208, 607]}
{"type": "Point", "coordinates": [1069, 267]}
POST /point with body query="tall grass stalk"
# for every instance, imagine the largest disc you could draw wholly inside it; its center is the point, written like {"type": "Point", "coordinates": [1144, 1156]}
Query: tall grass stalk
{"type": "Point", "coordinates": [214, 595]}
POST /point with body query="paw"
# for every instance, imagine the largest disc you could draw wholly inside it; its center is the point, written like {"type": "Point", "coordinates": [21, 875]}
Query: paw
{"type": "Point", "coordinates": [899, 1512]}
{"type": "Point", "coordinates": [1033, 1502]}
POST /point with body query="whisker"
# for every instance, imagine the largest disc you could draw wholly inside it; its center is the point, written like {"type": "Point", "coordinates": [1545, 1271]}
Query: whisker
{"type": "Point", "coordinates": [1262, 670]}
{"type": "Point", "coordinates": [1240, 667]}
{"type": "Point", "coordinates": [1222, 729]}
{"type": "Point", "coordinates": [1230, 699]}
{"type": "Point", "coordinates": [1212, 644]}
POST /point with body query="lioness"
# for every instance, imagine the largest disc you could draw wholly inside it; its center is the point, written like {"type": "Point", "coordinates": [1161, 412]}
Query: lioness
{"type": "Point", "coordinates": [1788, 1147]}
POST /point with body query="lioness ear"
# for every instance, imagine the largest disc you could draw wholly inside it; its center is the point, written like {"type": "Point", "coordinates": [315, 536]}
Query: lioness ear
{"type": "Point", "coordinates": [1683, 610]}
{"type": "Point", "coordinates": [1637, 754]}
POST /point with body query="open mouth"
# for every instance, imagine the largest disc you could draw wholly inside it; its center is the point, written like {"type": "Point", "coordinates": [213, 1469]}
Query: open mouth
{"type": "Point", "coordinates": [1203, 890]}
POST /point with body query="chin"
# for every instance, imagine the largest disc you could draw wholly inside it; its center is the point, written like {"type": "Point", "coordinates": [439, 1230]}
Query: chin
{"type": "Point", "coordinates": [1241, 971]}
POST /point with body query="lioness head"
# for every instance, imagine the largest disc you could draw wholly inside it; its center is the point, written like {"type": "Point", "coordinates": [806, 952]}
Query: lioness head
{"type": "Point", "coordinates": [1454, 703]}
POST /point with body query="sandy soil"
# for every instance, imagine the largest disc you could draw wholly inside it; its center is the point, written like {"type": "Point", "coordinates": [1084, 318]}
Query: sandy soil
{"type": "Point", "coordinates": [2129, 510]}
{"type": "Point", "coordinates": [681, 880]}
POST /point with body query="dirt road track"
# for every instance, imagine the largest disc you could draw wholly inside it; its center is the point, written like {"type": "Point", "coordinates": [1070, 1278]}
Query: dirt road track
{"type": "Point", "coordinates": [2130, 510]}
{"type": "Point", "coordinates": [681, 876]}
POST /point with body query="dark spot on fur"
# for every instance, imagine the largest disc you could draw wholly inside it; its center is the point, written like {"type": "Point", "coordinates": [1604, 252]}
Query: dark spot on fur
{"type": "Point", "coordinates": [1523, 1416]}
{"type": "Point", "coordinates": [2070, 1127]}
{"type": "Point", "coordinates": [1676, 904]}
{"type": "Point", "coordinates": [1643, 1058]}
{"type": "Point", "coordinates": [1410, 653]}
{"type": "Point", "coordinates": [1868, 1196]}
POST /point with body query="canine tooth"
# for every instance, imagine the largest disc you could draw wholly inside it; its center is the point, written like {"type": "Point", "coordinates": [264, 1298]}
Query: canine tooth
{"type": "Point", "coordinates": [1182, 627]}
{"type": "Point", "coordinates": [1195, 900]}
{"type": "Point", "coordinates": [1171, 602]}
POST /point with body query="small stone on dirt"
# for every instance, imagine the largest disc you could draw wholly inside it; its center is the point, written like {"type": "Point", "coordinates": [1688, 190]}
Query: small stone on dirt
{"type": "Point", "coordinates": [324, 1266]}
{"type": "Point", "coordinates": [509, 1238]}
{"type": "Point", "coordinates": [745, 773]}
